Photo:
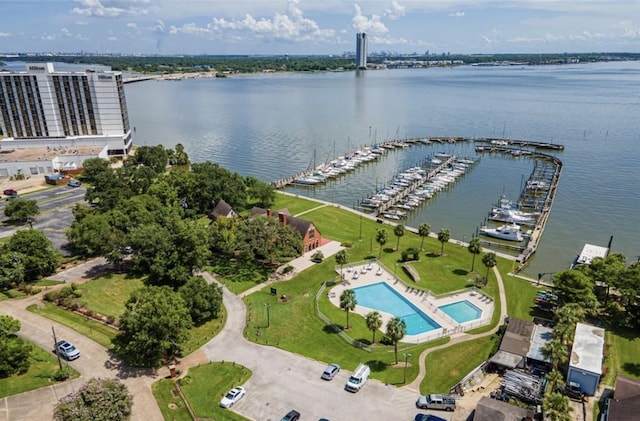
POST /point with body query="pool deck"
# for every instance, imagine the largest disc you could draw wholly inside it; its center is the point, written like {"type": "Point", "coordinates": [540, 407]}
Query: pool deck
{"type": "Point", "coordinates": [423, 300]}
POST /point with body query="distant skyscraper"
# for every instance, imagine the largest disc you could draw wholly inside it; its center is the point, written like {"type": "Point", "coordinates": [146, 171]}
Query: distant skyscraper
{"type": "Point", "coordinates": [42, 107]}
{"type": "Point", "coordinates": [361, 50]}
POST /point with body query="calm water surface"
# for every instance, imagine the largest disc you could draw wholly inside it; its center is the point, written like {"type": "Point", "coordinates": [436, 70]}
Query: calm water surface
{"type": "Point", "coordinates": [273, 126]}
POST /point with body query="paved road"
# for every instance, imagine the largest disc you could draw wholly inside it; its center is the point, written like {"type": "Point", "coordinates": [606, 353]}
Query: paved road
{"type": "Point", "coordinates": [95, 361]}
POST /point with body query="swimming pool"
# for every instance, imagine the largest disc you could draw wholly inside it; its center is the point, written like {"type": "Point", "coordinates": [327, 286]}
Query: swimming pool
{"type": "Point", "coordinates": [461, 311]}
{"type": "Point", "coordinates": [383, 297]}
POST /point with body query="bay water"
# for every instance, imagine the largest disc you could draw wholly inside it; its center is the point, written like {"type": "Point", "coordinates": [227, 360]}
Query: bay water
{"type": "Point", "coordinates": [273, 126]}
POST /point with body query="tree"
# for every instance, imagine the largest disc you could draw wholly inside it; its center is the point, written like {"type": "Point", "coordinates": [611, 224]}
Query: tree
{"type": "Point", "coordinates": [398, 231]}
{"type": "Point", "coordinates": [566, 318]}
{"type": "Point", "coordinates": [203, 300]}
{"type": "Point", "coordinates": [443, 236]}
{"type": "Point", "coordinates": [153, 326]}
{"type": "Point", "coordinates": [396, 329]}
{"type": "Point", "coordinates": [14, 351]}
{"type": "Point", "coordinates": [11, 269]}
{"type": "Point", "coordinates": [266, 240]}
{"type": "Point", "coordinates": [381, 238]}
{"type": "Point", "coordinates": [489, 260]}
{"type": "Point", "coordinates": [35, 252]}
{"type": "Point", "coordinates": [374, 322]}
{"type": "Point", "coordinates": [342, 258]}
{"type": "Point", "coordinates": [97, 400]}
{"type": "Point", "coordinates": [94, 235]}
{"type": "Point", "coordinates": [423, 231]}
{"type": "Point", "coordinates": [348, 302]}
{"type": "Point", "coordinates": [555, 381]}
{"type": "Point", "coordinates": [556, 407]}
{"type": "Point", "coordinates": [556, 352]}
{"type": "Point", "coordinates": [474, 248]}
{"type": "Point", "coordinates": [154, 157]}
{"type": "Point", "coordinates": [224, 235]}
{"type": "Point", "coordinates": [573, 286]}
{"type": "Point", "coordinates": [178, 157]}
{"type": "Point", "coordinates": [22, 210]}
{"type": "Point", "coordinates": [264, 192]}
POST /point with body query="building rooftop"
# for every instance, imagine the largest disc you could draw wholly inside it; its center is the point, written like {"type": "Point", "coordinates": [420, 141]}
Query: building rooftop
{"type": "Point", "coordinates": [541, 335]}
{"type": "Point", "coordinates": [588, 347]}
{"type": "Point", "coordinates": [589, 252]}
{"type": "Point", "coordinates": [45, 153]}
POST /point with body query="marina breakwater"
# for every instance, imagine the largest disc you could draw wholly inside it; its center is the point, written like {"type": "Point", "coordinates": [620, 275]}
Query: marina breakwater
{"type": "Point", "coordinates": [537, 194]}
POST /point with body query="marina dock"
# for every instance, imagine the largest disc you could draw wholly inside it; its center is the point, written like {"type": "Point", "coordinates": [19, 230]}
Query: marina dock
{"type": "Point", "coordinates": [410, 187]}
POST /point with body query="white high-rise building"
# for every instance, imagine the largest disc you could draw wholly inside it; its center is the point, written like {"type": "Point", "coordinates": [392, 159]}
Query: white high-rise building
{"type": "Point", "coordinates": [45, 107]}
{"type": "Point", "coordinates": [361, 50]}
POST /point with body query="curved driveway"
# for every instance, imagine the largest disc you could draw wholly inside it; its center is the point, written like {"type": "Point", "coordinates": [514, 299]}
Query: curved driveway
{"type": "Point", "coordinates": [281, 380]}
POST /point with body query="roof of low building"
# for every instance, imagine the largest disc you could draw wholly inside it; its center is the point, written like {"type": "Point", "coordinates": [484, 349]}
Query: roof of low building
{"type": "Point", "coordinates": [625, 404]}
{"type": "Point", "coordinates": [222, 208]}
{"type": "Point", "coordinates": [302, 225]}
{"type": "Point", "coordinates": [588, 347]}
{"type": "Point", "coordinates": [517, 337]}
{"type": "Point", "coordinates": [541, 335]}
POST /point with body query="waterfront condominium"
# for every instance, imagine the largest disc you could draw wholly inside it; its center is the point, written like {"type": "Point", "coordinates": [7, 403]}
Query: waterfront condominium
{"type": "Point", "coordinates": [43, 107]}
{"type": "Point", "coordinates": [361, 50]}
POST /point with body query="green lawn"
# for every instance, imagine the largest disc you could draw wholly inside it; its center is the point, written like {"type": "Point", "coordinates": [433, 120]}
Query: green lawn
{"type": "Point", "coordinates": [108, 294]}
{"type": "Point", "coordinates": [294, 205]}
{"type": "Point", "coordinates": [446, 367]}
{"type": "Point", "coordinates": [90, 328]}
{"type": "Point", "coordinates": [43, 365]}
{"type": "Point", "coordinates": [239, 276]}
{"type": "Point", "coordinates": [294, 325]}
{"type": "Point", "coordinates": [202, 334]}
{"type": "Point", "coordinates": [171, 404]}
{"type": "Point", "coordinates": [205, 385]}
{"type": "Point", "coordinates": [622, 356]}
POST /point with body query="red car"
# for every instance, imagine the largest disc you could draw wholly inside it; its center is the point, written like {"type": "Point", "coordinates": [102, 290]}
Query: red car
{"type": "Point", "coordinates": [10, 192]}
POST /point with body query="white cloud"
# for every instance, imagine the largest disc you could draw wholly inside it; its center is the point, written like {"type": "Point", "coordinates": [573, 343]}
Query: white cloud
{"type": "Point", "coordinates": [65, 32]}
{"type": "Point", "coordinates": [4, 34]}
{"type": "Point", "coordinates": [111, 8]}
{"type": "Point", "coordinates": [132, 25]}
{"type": "Point", "coordinates": [112, 38]}
{"type": "Point", "coordinates": [292, 26]}
{"type": "Point", "coordinates": [395, 12]}
{"type": "Point", "coordinates": [362, 23]}
{"type": "Point", "coordinates": [457, 14]}
{"type": "Point", "coordinates": [384, 40]}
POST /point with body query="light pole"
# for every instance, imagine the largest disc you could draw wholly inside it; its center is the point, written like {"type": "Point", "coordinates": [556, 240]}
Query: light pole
{"type": "Point", "coordinates": [406, 357]}
{"type": "Point", "coordinates": [267, 305]}
{"type": "Point", "coordinates": [395, 270]}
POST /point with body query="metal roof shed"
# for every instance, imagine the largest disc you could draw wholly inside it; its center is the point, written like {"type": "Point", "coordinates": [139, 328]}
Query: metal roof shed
{"type": "Point", "coordinates": [585, 366]}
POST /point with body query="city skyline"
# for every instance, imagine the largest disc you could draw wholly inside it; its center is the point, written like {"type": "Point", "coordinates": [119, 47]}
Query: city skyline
{"type": "Point", "coordinates": [318, 26]}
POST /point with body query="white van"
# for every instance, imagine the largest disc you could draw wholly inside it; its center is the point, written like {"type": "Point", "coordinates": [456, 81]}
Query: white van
{"type": "Point", "coordinates": [358, 378]}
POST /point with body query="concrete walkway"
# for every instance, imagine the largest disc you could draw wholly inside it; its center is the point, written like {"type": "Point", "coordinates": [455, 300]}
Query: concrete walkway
{"type": "Point", "coordinates": [461, 337]}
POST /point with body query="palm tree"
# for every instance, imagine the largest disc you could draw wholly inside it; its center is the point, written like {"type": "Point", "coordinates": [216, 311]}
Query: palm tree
{"type": "Point", "coordinates": [443, 236]}
{"type": "Point", "coordinates": [489, 260]}
{"type": "Point", "coordinates": [348, 302]}
{"type": "Point", "coordinates": [474, 248]}
{"type": "Point", "coordinates": [556, 352]}
{"type": "Point", "coordinates": [423, 231]}
{"type": "Point", "coordinates": [342, 258]}
{"type": "Point", "coordinates": [555, 381]}
{"type": "Point", "coordinates": [567, 317]}
{"type": "Point", "coordinates": [374, 322]}
{"type": "Point", "coordinates": [398, 231]}
{"type": "Point", "coordinates": [556, 407]}
{"type": "Point", "coordinates": [396, 329]}
{"type": "Point", "coordinates": [381, 238]}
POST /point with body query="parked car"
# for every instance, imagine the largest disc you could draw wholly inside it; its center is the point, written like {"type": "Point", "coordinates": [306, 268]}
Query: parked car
{"type": "Point", "coordinates": [428, 417]}
{"type": "Point", "coordinates": [292, 415]}
{"type": "Point", "coordinates": [74, 183]}
{"type": "Point", "coordinates": [330, 372]}
{"type": "Point", "coordinates": [433, 401]}
{"type": "Point", "coordinates": [10, 192]}
{"type": "Point", "coordinates": [67, 350]}
{"type": "Point", "coordinates": [233, 396]}
{"type": "Point", "coordinates": [574, 391]}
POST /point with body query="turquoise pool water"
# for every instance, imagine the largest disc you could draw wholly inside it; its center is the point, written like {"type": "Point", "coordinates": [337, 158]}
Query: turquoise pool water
{"type": "Point", "coordinates": [461, 311]}
{"type": "Point", "coordinates": [383, 297]}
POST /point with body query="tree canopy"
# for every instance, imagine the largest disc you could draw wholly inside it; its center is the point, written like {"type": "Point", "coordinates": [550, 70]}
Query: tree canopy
{"type": "Point", "coordinates": [22, 210]}
{"type": "Point", "coordinates": [153, 326]}
{"type": "Point", "coordinates": [97, 400]}
{"type": "Point", "coordinates": [32, 250]}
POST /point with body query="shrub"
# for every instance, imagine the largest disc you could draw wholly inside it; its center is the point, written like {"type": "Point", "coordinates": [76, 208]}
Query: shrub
{"type": "Point", "coordinates": [287, 269]}
{"type": "Point", "coordinates": [62, 374]}
{"type": "Point", "coordinates": [317, 257]}
{"type": "Point", "coordinates": [347, 244]}
{"type": "Point", "coordinates": [111, 319]}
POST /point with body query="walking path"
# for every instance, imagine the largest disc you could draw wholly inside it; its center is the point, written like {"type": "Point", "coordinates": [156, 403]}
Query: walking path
{"type": "Point", "coordinates": [278, 375]}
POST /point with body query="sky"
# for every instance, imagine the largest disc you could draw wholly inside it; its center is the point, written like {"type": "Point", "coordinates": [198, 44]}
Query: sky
{"type": "Point", "coordinates": [299, 27]}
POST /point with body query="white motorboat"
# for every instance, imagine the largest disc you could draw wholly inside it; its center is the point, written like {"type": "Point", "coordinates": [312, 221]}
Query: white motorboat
{"type": "Point", "coordinates": [510, 232]}
{"type": "Point", "coordinates": [511, 215]}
